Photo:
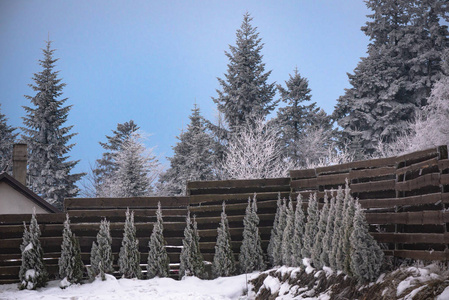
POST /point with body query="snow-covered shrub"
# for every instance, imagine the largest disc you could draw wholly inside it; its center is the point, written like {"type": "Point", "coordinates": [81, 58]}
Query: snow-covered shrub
{"type": "Point", "coordinates": [311, 227]}
{"type": "Point", "coordinates": [298, 233]}
{"type": "Point", "coordinates": [70, 264]}
{"type": "Point", "coordinates": [274, 246]}
{"type": "Point", "coordinates": [191, 259]}
{"type": "Point", "coordinates": [158, 260]}
{"type": "Point", "coordinates": [318, 245]}
{"type": "Point", "coordinates": [101, 257]}
{"type": "Point", "coordinates": [251, 255]}
{"type": "Point", "coordinates": [348, 226]}
{"type": "Point", "coordinates": [224, 261]}
{"type": "Point", "coordinates": [129, 256]}
{"type": "Point", "coordinates": [328, 234]}
{"type": "Point", "coordinates": [337, 234]}
{"type": "Point", "coordinates": [366, 255]}
{"type": "Point", "coordinates": [287, 250]}
{"type": "Point", "coordinates": [32, 272]}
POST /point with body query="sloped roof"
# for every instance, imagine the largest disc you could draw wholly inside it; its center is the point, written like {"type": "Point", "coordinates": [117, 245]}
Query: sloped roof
{"type": "Point", "coordinates": [11, 181]}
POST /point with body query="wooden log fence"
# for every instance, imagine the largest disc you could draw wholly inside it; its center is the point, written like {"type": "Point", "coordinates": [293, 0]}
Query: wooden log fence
{"type": "Point", "coordinates": [406, 200]}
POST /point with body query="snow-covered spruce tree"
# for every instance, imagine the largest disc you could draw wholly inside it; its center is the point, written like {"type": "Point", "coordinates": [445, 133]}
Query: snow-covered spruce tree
{"type": "Point", "coordinates": [329, 233]}
{"type": "Point", "coordinates": [194, 157]}
{"type": "Point", "coordinates": [245, 93]}
{"type": "Point", "coordinates": [107, 165]}
{"type": "Point", "coordinates": [101, 257]}
{"type": "Point", "coordinates": [32, 272]}
{"type": "Point", "coordinates": [70, 264]}
{"type": "Point", "coordinates": [7, 138]}
{"type": "Point", "coordinates": [287, 249]}
{"type": "Point", "coordinates": [366, 255]}
{"type": "Point", "coordinates": [318, 245]}
{"type": "Point", "coordinates": [137, 169]}
{"type": "Point", "coordinates": [224, 261]}
{"type": "Point", "coordinates": [158, 260]}
{"type": "Point", "coordinates": [251, 254]}
{"type": "Point", "coordinates": [129, 256]}
{"type": "Point", "coordinates": [275, 244]}
{"type": "Point", "coordinates": [255, 152]}
{"type": "Point", "coordinates": [298, 233]}
{"type": "Point", "coordinates": [348, 225]}
{"type": "Point", "coordinates": [346, 218]}
{"type": "Point", "coordinates": [299, 122]}
{"type": "Point", "coordinates": [338, 232]}
{"type": "Point", "coordinates": [191, 259]}
{"type": "Point", "coordinates": [311, 227]}
{"type": "Point", "coordinates": [48, 165]}
{"type": "Point", "coordinates": [407, 41]}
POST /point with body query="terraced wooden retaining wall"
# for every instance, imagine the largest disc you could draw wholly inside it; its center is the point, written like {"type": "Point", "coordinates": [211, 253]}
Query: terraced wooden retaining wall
{"type": "Point", "coordinates": [406, 200]}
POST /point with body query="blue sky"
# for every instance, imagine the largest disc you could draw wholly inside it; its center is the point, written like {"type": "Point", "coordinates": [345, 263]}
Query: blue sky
{"type": "Point", "coordinates": [149, 61]}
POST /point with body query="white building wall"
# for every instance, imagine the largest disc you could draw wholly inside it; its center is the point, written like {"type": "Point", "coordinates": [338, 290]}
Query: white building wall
{"type": "Point", "coordinates": [14, 202]}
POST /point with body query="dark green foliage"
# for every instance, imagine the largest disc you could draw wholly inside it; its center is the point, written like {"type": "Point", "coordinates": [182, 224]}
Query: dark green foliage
{"type": "Point", "coordinates": [194, 157]}
{"type": "Point", "coordinates": [48, 142]}
{"type": "Point", "coordinates": [71, 266]}
{"type": "Point", "coordinates": [158, 260]}
{"type": "Point", "coordinates": [7, 138]}
{"type": "Point", "coordinates": [311, 227]}
{"type": "Point", "coordinates": [192, 262]}
{"type": "Point", "coordinates": [275, 244]}
{"type": "Point", "coordinates": [129, 256]}
{"type": "Point", "coordinates": [32, 272]}
{"type": "Point", "coordinates": [245, 93]}
{"type": "Point", "coordinates": [224, 261]}
{"type": "Point", "coordinates": [101, 257]}
{"type": "Point", "coordinates": [251, 254]}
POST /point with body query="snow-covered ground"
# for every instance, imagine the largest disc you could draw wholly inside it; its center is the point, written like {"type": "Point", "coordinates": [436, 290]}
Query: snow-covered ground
{"type": "Point", "coordinates": [190, 288]}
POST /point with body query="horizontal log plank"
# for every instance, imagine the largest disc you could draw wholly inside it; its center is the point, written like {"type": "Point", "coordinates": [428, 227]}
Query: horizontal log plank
{"type": "Point", "coordinates": [436, 217]}
{"type": "Point", "coordinates": [243, 183]}
{"type": "Point", "coordinates": [41, 218]}
{"type": "Point", "coordinates": [412, 238]}
{"type": "Point", "coordinates": [434, 198]}
{"type": "Point", "coordinates": [332, 179]}
{"type": "Point", "coordinates": [443, 164]}
{"type": "Point", "coordinates": [134, 202]}
{"type": "Point", "coordinates": [204, 199]}
{"type": "Point", "coordinates": [375, 186]}
{"type": "Point", "coordinates": [418, 166]}
{"type": "Point", "coordinates": [301, 174]}
{"type": "Point", "coordinates": [232, 207]}
{"type": "Point", "coordinates": [422, 255]}
{"type": "Point", "coordinates": [419, 155]}
{"type": "Point", "coordinates": [304, 183]}
{"type": "Point", "coordinates": [432, 179]}
{"type": "Point", "coordinates": [371, 173]}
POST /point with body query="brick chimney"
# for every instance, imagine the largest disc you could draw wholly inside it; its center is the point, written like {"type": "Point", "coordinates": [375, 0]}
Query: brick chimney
{"type": "Point", "coordinates": [19, 162]}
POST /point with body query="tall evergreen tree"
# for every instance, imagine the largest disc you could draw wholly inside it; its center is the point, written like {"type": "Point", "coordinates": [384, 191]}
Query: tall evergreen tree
{"type": "Point", "coordinates": [408, 39]}
{"type": "Point", "coordinates": [245, 93]}
{"type": "Point", "coordinates": [48, 165]}
{"type": "Point", "coordinates": [7, 138]}
{"type": "Point", "coordinates": [191, 259]}
{"type": "Point", "coordinates": [158, 260]}
{"type": "Point", "coordinates": [129, 256]}
{"type": "Point", "coordinates": [319, 239]}
{"type": "Point", "coordinates": [287, 249]}
{"type": "Point", "coordinates": [101, 257]}
{"type": "Point", "coordinates": [33, 273]}
{"type": "Point", "coordinates": [298, 121]}
{"type": "Point", "coordinates": [224, 261]}
{"type": "Point", "coordinates": [194, 157]}
{"type": "Point", "coordinates": [329, 234]}
{"type": "Point", "coordinates": [311, 227]}
{"type": "Point", "coordinates": [366, 255]}
{"type": "Point", "coordinates": [136, 169]}
{"type": "Point", "coordinates": [107, 165]}
{"type": "Point", "coordinates": [348, 226]}
{"type": "Point", "coordinates": [251, 254]}
{"type": "Point", "coordinates": [70, 264]}
{"type": "Point", "coordinates": [298, 233]}
{"type": "Point", "coordinates": [275, 244]}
